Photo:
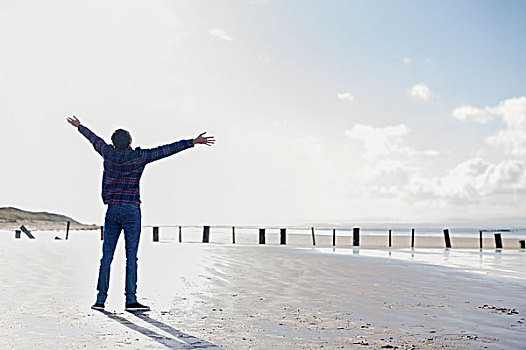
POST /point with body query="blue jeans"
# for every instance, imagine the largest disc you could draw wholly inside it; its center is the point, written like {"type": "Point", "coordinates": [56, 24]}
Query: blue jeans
{"type": "Point", "coordinates": [120, 217]}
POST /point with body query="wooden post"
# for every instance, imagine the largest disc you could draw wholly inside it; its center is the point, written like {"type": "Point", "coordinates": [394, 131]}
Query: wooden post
{"type": "Point", "coordinates": [180, 234]}
{"type": "Point", "coordinates": [522, 244]}
{"type": "Point", "coordinates": [283, 236]}
{"type": "Point", "coordinates": [261, 236]}
{"type": "Point", "coordinates": [67, 230]}
{"type": "Point", "coordinates": [333, 237]}
{"type": "Point", "coordinates": [17, 233]}
{"type": "Point", "coordinates": [480, 239]}
{"type": "Point", "coordinates": [389, 238]}
{"type": "Point", "coordinates": [233, 235]}
{"type": "Point", "coordinates": [27, 232]}
{"type": "Point", "coordinates": [156, 234]}
{"type": "Point", "coordinates": [313, 237]}
{"type": "Point", "coordinates": [356, 236]}
{"type": "Point", "coordinates": [498, 241]}
{"type": "Point", "coordinates": [206, 234]}
{"type": "Point", "coordinates": [412, 238]}
{"type": "Point", "coordinates": [446, 238]}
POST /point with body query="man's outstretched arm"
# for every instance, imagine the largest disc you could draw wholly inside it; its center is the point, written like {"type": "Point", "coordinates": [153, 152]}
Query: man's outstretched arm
{"type": "Point", "coordinates": [98, 143]}
{"type": "Point", "coordinates": [160, 152]}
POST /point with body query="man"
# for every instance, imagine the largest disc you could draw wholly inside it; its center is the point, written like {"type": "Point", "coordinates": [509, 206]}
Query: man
{"type": "Point", "coordinates": [123, 167]}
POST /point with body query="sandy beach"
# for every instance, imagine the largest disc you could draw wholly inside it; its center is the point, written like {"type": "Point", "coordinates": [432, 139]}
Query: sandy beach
{"type": "Point", "coordinates": [251, 297]}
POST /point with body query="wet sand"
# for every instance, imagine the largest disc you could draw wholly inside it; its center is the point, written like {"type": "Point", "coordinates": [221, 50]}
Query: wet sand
{"type": "Point", "coordinates": [250, 297]}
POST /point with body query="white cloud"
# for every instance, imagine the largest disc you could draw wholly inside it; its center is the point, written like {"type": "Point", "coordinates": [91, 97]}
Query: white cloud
{"type": "Point", "coordinates": [379, 142]}
{"type": "Point", "coordinates": [391, 162]}
{"type": "Point", "coordinates": [391, 169]}
{"type": "Point", "coordinates": [407, 60]}
{"type": "Point", "coordinates": [477, 185]}
{"type": "Point", "coordinates": [472, 180]}
{"type": "Point", "coordinates": [386, 142]}
{"type": "Point", "coordinates": [420, 92]}
{"type": "Point", "coordinates": [513, 137]}
{"type": "Point", "coordinates": [469, 113]}
{"type": "Point", "coordinates": [307, 147]}
{"type": "Point", "coordinates": [265, 59]}
{"type": "Point", "coordinates": [431, 152]}
{"type": "Point", "coordinates": [346, 96]}
{"type": "Point", "coordinates": [220, 34]}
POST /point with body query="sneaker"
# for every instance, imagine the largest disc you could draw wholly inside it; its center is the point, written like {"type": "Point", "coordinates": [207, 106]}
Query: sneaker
{"type": "Point", "coordinates": [97, 306]}
{"type": "Point", "coordinates": [136, 307]}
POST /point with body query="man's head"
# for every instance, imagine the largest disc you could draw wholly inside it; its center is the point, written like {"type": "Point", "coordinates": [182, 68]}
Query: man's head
{"type": "Point", "coordinates": [121, 139]}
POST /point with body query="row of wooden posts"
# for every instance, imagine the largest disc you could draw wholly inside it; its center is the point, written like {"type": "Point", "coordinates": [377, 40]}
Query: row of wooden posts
{"type": "Point", "coordinates": [283, 236]}
{"type": "Point", "coordinates": [262, 235]}
{"type": "Point", "coordinates": [356, 237]}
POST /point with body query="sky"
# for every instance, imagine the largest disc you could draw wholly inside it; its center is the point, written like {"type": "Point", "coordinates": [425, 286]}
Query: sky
{"type": "Point", "coordinates": [324, 111]}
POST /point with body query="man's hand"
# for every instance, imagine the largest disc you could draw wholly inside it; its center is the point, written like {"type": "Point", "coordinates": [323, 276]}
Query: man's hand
{"type": "Point", "coordinates": [73, 121]}
{"type": "Point", "coordinates": [205, 140]}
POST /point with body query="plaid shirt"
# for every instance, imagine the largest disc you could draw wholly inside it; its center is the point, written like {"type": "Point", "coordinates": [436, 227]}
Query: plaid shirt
{"type": "Point", "coordinates": [123, 168]}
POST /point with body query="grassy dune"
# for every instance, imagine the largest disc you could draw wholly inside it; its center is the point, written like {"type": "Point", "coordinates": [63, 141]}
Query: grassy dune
{"type": "Point", "coordinates": [13, 217]}
{"type": "Point", "coordinates": [15, 214]}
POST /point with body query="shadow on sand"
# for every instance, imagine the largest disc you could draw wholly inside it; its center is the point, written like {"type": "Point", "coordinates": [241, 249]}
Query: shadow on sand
{"type": "Point", "coordinates": [180, 339]}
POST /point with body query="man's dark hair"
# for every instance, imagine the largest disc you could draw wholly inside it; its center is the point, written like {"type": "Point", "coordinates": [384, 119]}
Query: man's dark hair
{"type": "Point", "coordinates": [121, 139]}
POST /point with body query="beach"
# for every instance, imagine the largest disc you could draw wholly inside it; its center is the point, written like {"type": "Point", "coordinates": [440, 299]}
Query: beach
{"type": "Point", "coordinates": [256, 297]}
